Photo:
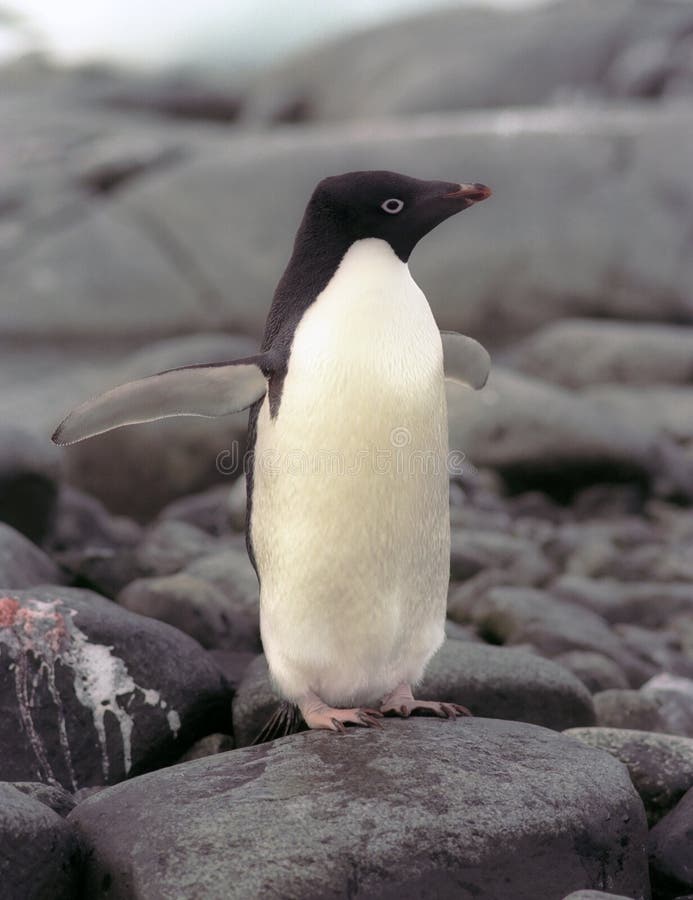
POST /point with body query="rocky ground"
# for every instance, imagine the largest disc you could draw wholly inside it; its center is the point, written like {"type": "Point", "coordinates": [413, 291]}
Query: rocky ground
{"type": "Point", "coordinates": [142, 226]}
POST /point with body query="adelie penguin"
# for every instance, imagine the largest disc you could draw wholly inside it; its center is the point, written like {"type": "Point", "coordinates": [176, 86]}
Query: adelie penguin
{"type": "Point", "coordinates": [348, 519]}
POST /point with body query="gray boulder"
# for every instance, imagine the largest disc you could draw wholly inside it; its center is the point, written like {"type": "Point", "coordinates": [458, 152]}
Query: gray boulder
{"type": "Point", "coordinates": [196, 607]}
{"type": "Point", "coordinates": [474, 551]}
{"type": "Point", "coordinates": [649, 604]}
{"type": "Point", "coordinates": [595, 895]}
{"type": "Point", "coordinates": [29, 474]}
{"type": "Point", "coordinates": [669, 847]}
{"type": "Point", "coordinates": [53, 796]}
{"type": "Point", "coordinates": [577, 353]}
{"type": "Point", "coordinates": [536, 434]}
{"type": "Point", "coordinates": [644, 711]}
{"type": "Point", "coordinates": [171, 545]}
{"type": "Point", "coordinates": [208, 510]}
{"type": "Point", "coordinates": [666, 410]}
{"type": "Point", "coordinates": [596, 671]}
{"type": "Point", "coordinates": [40, 853]}
{"type": "Point", "coordinates": [22, 564]}
{"type": "Point", "coordinates": [231, 571]}
{"type": "Point", "coordinates": [478, 58]}
{"type": "Point", "coordinates": [497, 272]}
{"type": "Point", "coordinates": [93, 693]}
{"type": "Point", "coordinates": [492, 682]}
{"type": "Point", "coordinates": [660, 765]}
{"type": "Point", "coordinates": [411, 818]}
{"type": "Point", "coordinates": [509, 615]}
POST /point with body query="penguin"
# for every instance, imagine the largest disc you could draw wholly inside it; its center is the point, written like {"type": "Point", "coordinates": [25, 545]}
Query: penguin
{"type": "Point", "coordinates": [348, 523]}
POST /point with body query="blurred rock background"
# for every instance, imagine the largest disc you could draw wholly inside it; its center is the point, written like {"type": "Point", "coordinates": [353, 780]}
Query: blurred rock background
{"type": "Point", "coordinates": [148, 202]}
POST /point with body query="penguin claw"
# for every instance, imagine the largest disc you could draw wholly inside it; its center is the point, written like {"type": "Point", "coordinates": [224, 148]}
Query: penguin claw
{"type": "Point", "coordinates": [402, 703]}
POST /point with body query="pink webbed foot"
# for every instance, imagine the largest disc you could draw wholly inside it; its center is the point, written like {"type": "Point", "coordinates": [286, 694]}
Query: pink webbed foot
{"type": "Point", "coordinates": [402, 703]}
{"type": "Point", "coordinates": [319, 715]}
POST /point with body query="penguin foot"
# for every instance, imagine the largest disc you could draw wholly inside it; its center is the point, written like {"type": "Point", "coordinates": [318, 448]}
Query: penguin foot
{"type": "Point", "coordinates": [319, 715]}
{"type": "Point", "coordinates": [401, 702]}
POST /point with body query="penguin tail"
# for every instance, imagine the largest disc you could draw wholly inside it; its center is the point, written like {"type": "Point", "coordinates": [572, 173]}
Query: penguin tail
{"type": "Point", "coordinates": [285, 720]}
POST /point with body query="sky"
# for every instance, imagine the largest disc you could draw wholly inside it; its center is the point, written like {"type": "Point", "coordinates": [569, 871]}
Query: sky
{"type": "Point", "coordinates": [237, 33]}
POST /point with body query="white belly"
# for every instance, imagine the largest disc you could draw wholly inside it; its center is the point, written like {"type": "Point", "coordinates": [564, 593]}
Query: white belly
{"type": "Point", "coordinates": [350, 523]}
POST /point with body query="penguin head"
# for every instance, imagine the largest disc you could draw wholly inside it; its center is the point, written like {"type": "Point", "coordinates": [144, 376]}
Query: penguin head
{"type": "Point", "coordinates": [386, 205]}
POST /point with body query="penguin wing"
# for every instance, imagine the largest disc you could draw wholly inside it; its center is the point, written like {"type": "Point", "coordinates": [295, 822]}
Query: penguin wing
{"type": "Point", "coordinates": [214, 390]}
{"type": "Point", "coordinates": [465, 360]}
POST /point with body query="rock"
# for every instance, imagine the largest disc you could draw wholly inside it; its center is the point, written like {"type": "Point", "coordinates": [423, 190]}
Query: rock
{"type": "Point", "coordinates": [665, 410]}
{"type": "Point", "coordinates": [40, 853]}
{"type": "Point", "coordinates": [475, 551]}
{"type": "Point", "coordinates": [209, 745]}
{"type": "Point", "coordinates": [208, 510]}
{"type": "Point", "coordinates": [231, 572]}
{"type": "Point", "coordinates": [171, 545]}
{"type": "Point", "coordinates": [588, 549]}
{"type": "Point", "coordinates": [29, 472]}
{"type": "Point", "coordinates": [420, 829]}
{"type": "Point", "coordinates": [596, 671]}
{"type": "Point", "coordinates": [520, 246]}
{"type": "Point", "coordinates": [138, 470]}
{"type": "Point", "coordinates": [57, 798]}
{"type": "Point", "coordinates": [233, 663]}
{"type": "Point", "coordinates": [196, 607]}
{"type": "Point", "coordinates": [635, 710]}
{"type": "Point", "coordinates": [483, 58]}
{"type": "Point", "coordinates": [660, 649]}
{"type": "Point", "coordinates": [458, 632]}
{"type": "Point", "coordinates": [648, 604]}
{"type": "Point", "coordinates": [535, 434]}
{"type": "Point", "coordinates": [94, 547]}
{"type": "Point", "coordinates": [22, 564]}
{"type": "Point", "coordinates": [669, 847]}
{"type": "Point", "coordinates": [508, 615]}
{"type": "Point", "coordinates": [578, 353]}
{"type": "Point", "coordinates": [595, 895]}
{"type": "Point", "coordinates": [660, 765]}
{"type": "Point", "coordinates": [493, 682]}
{"type": "Point", "coordinates": [93, 693]}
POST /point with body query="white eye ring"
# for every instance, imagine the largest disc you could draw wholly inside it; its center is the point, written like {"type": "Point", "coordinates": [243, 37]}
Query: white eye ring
{"type": "Point", "coordinates": [392, 206]}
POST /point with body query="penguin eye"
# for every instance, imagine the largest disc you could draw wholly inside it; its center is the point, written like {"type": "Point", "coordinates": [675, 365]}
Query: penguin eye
{"type": "Point", "coordinates": [392, 206]}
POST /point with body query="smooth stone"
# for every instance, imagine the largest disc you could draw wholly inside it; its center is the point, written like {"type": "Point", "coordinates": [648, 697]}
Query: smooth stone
{"type": "Point", "coordinates": [481, 57]}
{"type": "Point", "coordinates": [508, 615]}
{"type": "Point", "coordinates": [93, 693]}
{"type": "Point", "coordinates": [53, 796]}
{"type": "Point", "coordinates": [473, 551]}
{"type": "Point", "coordinates": [40, 853]}
{"type": "Point", "coordinates": [596, 671]}
{"type": "Point", "coordinates": [196, 607]}
{"type": "Point", "coordinates": [577, 353]}
{"type": "Point", "coordinates": [660, 765]}
{"type": "Point", "coordinates": [29, 477]}
{"type": "Point", "coordinates": [413, 797]}
{"type": "Point", "coordinates": [207, 510]}
{"type": "Point", "coordinates": [22, 564]}
{"type": "Point", "coordinates": [669, 847]}
{"type": "Point", "coordinates": [491, 681]}
{"type": "Point", "coordinates": [170, 545]}
{"type": "Point", "coordinates": [209, 745]}
{"type": "Point", "coordinates": [650, 604]}
{"type": "Point", "coordinates": [537, 435]}
{"type": "Point", "coordinates": [231, 572]}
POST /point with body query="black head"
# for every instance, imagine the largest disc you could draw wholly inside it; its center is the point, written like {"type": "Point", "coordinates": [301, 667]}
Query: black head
{"type": "Point", "coordinates": [396, 208]}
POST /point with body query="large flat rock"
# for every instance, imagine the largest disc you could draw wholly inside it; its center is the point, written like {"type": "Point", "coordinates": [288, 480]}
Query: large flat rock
{"type": "Point", "coordinates": [464, 57]}
{"type": "Point", "coordinates": [423, 808]}
{"type": "Point", "coordinates": [495, 272]}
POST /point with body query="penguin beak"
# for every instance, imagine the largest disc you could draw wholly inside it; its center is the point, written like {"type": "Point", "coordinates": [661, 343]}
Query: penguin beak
{"type": "Point", "coordinates": [470, 193]}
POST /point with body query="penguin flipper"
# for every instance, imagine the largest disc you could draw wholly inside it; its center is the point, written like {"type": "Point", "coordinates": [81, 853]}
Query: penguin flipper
{"type": "Point", "coordinates": [465, 360]}
{"type": "Point", "coordinates": [207, 390]}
